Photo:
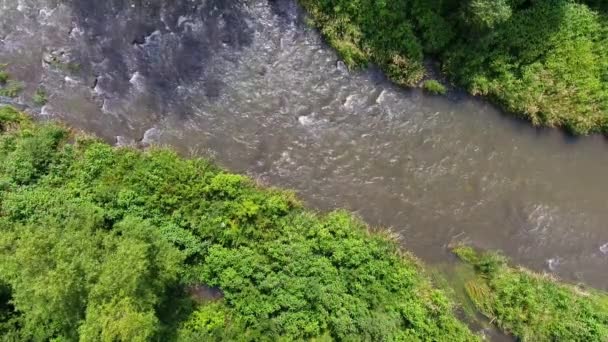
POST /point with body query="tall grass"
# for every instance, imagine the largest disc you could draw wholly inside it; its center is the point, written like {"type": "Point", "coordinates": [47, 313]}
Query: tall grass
{"type": "Point", "coordinates": [531, 306]}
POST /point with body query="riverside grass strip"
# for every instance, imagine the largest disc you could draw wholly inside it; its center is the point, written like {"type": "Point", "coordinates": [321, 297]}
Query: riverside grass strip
{"type": "Point", "coordinates": [531, 306]}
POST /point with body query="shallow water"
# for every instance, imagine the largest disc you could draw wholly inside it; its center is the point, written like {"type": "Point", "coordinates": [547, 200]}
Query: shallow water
{"type": "Point", "coordinates": [250, 85]}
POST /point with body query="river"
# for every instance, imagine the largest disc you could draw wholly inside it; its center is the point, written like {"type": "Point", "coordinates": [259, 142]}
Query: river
{"type": "Point", "coordinates": [248, 84]}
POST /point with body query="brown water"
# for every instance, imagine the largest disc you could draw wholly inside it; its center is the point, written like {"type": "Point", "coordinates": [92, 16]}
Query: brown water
{"type": "Point", "coordinates": [250, 85]}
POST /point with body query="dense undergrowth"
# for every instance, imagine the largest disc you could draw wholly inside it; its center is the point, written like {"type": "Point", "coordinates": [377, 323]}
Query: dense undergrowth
{"type": "Point", "coordinates": [104, 244]}
{"type": "Point", "coordinates": [544, 59]}
{"type": "Point", "coordinates": [534, 307]}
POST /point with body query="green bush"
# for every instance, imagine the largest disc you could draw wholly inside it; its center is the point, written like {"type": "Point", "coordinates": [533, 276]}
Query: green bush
{"type": "Point", "coordinates": [11, 88]}
{"type": "Point", "coordinates": [487, 14]}
{"type": "Point", "coordinates": [4, 76]}
{"type": "Point", "coordinates": [534, 307]}
{"type": "Point", "coordinates": [351, 27]}
{"type": "Point", "coordinates": [40, 97]}
{"type": "Point", "coordinates": [9, 115]}
{"type": "Point", "coordinates": [434, 87]}
{"type": "Point", "coordinates": [102, 243]}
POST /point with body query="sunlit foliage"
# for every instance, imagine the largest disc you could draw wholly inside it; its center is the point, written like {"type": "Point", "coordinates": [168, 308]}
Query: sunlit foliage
{"type": "Point", "coordinates": [531, 306]}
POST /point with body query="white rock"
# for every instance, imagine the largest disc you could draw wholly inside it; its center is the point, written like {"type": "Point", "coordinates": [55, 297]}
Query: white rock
{"type": "Point", "coordinates": [553, 263]}
{"type": "Point", "coordinates": [604, 248]}
{"type": "Point", "coordinates": [151, 136]}
{"type": "Point", "coordinates": [305, 120]}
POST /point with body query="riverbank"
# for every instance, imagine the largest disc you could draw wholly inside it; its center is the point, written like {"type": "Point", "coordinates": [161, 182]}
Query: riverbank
{"type": "Point", "coordinates": [544, 61]}
{"type": "Point", "coordinates": [531, 306]}
{"type": "Point", "coordinates": [159, 226]}
{"type": "Point", "coordinates": [90, 231]}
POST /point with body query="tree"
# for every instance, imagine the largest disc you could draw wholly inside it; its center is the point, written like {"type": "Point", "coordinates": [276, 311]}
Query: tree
{"type": "Point", "coordinates": [138, 267]}
{"type": "Point", "coordinates": [64, 274]}
{"type": "Point", "coordinates": [485, 15]}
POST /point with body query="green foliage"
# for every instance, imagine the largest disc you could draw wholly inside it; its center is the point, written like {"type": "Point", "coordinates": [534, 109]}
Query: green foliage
{"type": "Point", "coordinates": [12, 88]}
{"type": "Point", "coordinates": [534, 307]}
{"type": "Point", "coordinates": [434, 87]}
{"type": "Point", "coordinates": [4, 76]}
{"type": "Point", "coordinates": [101, 244]}
{"type": "Point", "coordinates": [214, 322]}
{"type": "Point", "coordinates": [352, 28]}
{"type": "Point", "coordinates": [8, 116]}
{"type": "Point", "coordinates": [40, 97]}
{"type": "Point", "coordinates": [546, 60]}
{"type": "Point", "coordinates": [7, 314]}
{"type": "Point", "coordinates": [119, 320]}
{"type": "Point", "coordinates": [487, 14]}
{"type": "Point", "coordinates": [30, 155]}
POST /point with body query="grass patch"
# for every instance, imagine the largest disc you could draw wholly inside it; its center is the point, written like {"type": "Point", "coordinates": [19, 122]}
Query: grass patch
{"type": "Point", "coordinates": [9, 115]}
{"type": "Point", "coordinates": [531, 306]}
{"type": "Point", "coordinates": [434, 87]}
{"type": "Point", "coordinates": [40, 97]}
{"type": "Point", "coordinates": [4, 76]}
{"type": "Point", "coordinates": [102, 243]}
{"type": "Point", "coordinates": [12, 88]}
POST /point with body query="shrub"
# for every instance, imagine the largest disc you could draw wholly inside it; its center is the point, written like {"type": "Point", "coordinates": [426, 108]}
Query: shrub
{"type": "Point", "coordinates": [487, 14]}
{"type": "Point", "coordinates": [434, 87]}
{"type": "Point", "coordinates": [11, 89]}
{"type": "Point", "coordinates": [9, 115]}
{"type": "Point", "coordinates": [352, 29]}
{"type": "Point", "coordinates": [40, 97]}
{"type": "Point", "coordinates": [4, 76]}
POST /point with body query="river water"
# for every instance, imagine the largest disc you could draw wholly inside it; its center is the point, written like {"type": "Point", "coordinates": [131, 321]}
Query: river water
{"type": "Point", "coordinates": [250, 85]}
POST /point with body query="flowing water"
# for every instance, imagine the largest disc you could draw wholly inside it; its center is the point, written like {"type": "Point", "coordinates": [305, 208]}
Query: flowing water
{"type": "Point", "coordinates": [249, 84]}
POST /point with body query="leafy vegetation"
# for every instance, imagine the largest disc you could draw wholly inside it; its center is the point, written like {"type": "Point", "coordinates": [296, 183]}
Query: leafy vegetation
{"type": "Point", "coordinates": [352, 27]}
{"type": "Point", "coordinates": [434, 87]}
{"type": "Point", "coordinates": [103, 243]}
{"type": "Point", "coordinates": [8, 87]}
{"type": "Point", "coordinates": [40, 97]}
{"type": "Point", "coordinates": [4, 76]}
{"type": "Point", "coordinates": [534, 307]}
{"type": "Point", "coordinates": [12, 88]}
{"type": "Point", "coordinates": [544, 59]}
